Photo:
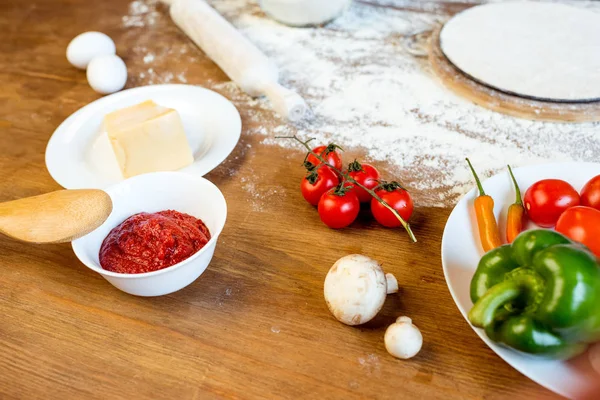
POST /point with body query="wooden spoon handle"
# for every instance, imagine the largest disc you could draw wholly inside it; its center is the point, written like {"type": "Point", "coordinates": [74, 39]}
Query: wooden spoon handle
{"type": "Point", "coordinates": [55, 217]}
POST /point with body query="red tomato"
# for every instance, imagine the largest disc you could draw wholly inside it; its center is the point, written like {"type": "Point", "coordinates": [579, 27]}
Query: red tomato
{"type": "Point", "coordinates": [316, 183]}
{"type": "Point", "coordinates": [397, 198]}
{"type": "Point", "coordinates": [365, 174]}
{"type": "Point", "coordinates": [547, 199]}
{"type": "Point", "coordinates": [329, 153]}
{"type": "Point", "coordinates": [338, 210]}
{"type": "Point", "coordinates": [590, 194]}
{"type": "Point", "coordinates": [581, 224]}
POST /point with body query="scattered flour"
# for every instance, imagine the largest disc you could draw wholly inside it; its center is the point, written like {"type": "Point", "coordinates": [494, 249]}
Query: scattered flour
{"type": "Point", "coordinates": [149, 34]}
{"type": "Point", "coordinates": [370, 364]}
{"type": "Point", "coordinates": [261, 199]}
{"type": "Point", "coordinates": [148, 58]}
{"type": "Point", "coordinates": [181, 77]}
{"type": "Point", "coordinates": [367, 91]}
{"type": "Point", "coordinates": [141, 13]}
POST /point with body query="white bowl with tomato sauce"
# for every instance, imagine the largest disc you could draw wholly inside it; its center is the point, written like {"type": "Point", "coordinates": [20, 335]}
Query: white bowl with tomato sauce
{"type": "Point", "coordinates": [152, 193]}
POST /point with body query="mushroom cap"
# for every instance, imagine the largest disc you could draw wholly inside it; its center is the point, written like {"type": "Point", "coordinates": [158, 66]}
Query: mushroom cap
{"type": "Point", "coordinates": [403, 339]}
{"type": "Point", "coordinates": [355, 289]}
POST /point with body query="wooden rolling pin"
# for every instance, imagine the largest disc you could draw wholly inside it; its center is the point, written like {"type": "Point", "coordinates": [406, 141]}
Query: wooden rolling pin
{"type": "Point", "coordinates": [243, 62]}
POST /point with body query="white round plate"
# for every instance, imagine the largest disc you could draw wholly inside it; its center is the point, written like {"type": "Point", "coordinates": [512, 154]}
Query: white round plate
{"type": "Point", "coordinates": [212, 125]}
{"type": "Point", "coordinates": [461, 251]}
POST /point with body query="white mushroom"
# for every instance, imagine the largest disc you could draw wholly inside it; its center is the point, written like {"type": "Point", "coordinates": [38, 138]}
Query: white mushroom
{"type": "Point", "coordinates": [356, 287]}
{"type": "Point", "coordinates": [403, 339]}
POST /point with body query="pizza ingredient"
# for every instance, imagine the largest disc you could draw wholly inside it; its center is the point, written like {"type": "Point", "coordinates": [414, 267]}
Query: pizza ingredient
{"type": "Point", "coordinates": [317, 182]}
{"type": "Point", "coordinates": [503, 35]}
{"type": "Point", "coordinates": [85, 46]}
{"type": "Point", "coordinates": [147, 137]}
{"type": "Point", "coordinates": [107, 73]}
{"type": "Point", "coordinates": [316, 157]}
{"type": "Point", "coordinates": [356, 287]}
{"type": "Point", "coordinates": [581, 224]}
{"type": "Point", "coordinates": [538, 295]}
{"type": "Point", "coordinates": [403, 339]}
{"type": "Point", "coordinates": [486, 220]}
{"type": "Point", "coordinates": [547, 199]}
{"type": "Point", "coordinates": [368, 176]}
{"type": "Point", "coordinates": [590, 194]}
{"type": "Point", "coordinates": [329, 153]}
{"type": "Point", "coordinates": [516, 212]}
{"type": "Point", "coordinates": [396, 197]}
{"type": "Point", "coordinates": [339, 206]}
{"type": "Point", "coordinates": [149, 242]}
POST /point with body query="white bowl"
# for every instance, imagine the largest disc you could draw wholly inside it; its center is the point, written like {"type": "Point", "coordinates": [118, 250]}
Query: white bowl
{"type": "Point", "coordinates": [151, 193]}
{"type": "Point", "coordinates": [304, 12]}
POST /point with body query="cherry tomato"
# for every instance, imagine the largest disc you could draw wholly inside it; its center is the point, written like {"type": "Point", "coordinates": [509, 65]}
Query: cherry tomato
{"type": "Point", "coordinates": [590, 194]}
{"type": "Point", "coordinates": [397, 198]}
{"type": "Point", "coordinates": [365, 174]}
{"type": "Point", "coordinates": [581, 224]}
{"type": "Point", "coordinates": [318, 182]}
{"type": "Point", "coordinates": [547, 199]}
{"type": "Point", "coordinates": [329, 153]}
{"type": "Point", "coordinates": [338, 209]}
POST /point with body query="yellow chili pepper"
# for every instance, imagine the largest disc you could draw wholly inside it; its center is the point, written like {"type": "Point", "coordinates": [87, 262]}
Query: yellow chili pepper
{"type": "Point", "coordinates": [516, 213]}
{"type": "Point", "coordinates": [486, 220]}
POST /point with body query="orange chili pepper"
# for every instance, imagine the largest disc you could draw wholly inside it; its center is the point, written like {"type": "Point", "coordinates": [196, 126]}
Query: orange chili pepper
{"type": "Point", "coordinates": [516, 213]}
{"type": "Point", "coordinates": [486, 220]}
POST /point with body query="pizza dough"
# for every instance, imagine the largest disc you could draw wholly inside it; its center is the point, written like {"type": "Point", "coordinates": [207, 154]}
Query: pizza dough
{"type": "Point", "coordinates": [547, 51]}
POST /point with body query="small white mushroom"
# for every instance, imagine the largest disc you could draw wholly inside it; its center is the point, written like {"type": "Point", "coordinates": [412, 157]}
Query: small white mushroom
{"type": "Point", "coordinates": [403, 339]}
{"type": "Point", "coordinates": [356, 287]}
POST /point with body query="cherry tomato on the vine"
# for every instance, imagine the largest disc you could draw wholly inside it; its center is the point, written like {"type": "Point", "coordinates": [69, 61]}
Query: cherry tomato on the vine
{"type": "Point", "coordinates": [317, 182]}
{"type": "Point", "coordinates": [590, 194]}
{"type": "Point", "coordinates": [365, 174]}
{"type": "Point", "coordinates": [329, 153]}
{"type": "Point", "coordinates": [339, 207]}
{"type": "Point", "coordinates": [547, 199]}
{"type": "Point", "coordinates": [396, 197]}
{"type": "Point", "coordinates": [581, 224]}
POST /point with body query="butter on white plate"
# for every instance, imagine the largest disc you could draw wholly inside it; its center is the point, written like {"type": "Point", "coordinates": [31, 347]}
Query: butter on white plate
{"type": "Point", "coordinates": [80, 155]}
{"type": "Point", "coordinates": [143, 138]}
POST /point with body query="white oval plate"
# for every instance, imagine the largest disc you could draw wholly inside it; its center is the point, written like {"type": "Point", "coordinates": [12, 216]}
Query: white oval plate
{"type": "Point", "coordinates": [212, 125]}
{"type": "Point", "coordinates": [461, 252]}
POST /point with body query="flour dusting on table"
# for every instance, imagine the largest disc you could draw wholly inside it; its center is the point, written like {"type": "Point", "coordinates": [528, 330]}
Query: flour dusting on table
{"type": "Point", "coordinates": [366, 90]}
{"type": "Point", "coordinates": [141, 13]}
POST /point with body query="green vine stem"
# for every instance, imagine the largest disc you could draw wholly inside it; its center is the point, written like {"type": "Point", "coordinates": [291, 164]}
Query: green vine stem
{"type": "Point", "coordinates": [348, 178]}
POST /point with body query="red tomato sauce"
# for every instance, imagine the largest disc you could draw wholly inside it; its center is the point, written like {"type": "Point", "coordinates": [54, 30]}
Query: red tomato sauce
{"type": "Point", "coordinates": [149, 242]}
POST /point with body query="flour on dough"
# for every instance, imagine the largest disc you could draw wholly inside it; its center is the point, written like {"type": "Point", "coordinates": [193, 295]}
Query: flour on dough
{"type": "Point", "coordinates": [542, 50]}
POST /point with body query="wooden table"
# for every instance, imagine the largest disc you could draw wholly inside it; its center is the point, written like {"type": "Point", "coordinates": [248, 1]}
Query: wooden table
{"type": "Point", "coordinates": [255, 325]}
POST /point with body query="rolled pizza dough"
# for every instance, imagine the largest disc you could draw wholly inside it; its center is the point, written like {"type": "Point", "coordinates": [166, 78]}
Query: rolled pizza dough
{"type": "Point", "coordinates": [547, 51]}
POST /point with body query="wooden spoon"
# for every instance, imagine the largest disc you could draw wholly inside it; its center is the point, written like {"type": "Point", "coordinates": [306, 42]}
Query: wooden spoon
{"type": "Point", "coordinates": [55, 217]}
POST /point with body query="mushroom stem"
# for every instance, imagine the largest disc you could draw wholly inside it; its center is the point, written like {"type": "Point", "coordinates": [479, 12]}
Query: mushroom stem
{"type": "Point", "coordinates": [392, 283]}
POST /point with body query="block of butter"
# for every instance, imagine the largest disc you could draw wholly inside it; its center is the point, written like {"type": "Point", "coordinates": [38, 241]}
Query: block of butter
{"type": "Point", "coordinates": [147, 137]}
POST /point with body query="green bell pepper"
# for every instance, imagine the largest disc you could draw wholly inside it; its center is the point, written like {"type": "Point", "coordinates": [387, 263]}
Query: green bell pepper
{"type": "Point", "coordinates": [539, 295]}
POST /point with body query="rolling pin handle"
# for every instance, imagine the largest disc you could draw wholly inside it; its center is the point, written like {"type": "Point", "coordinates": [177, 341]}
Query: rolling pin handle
{"type": "Point", "coordinates": [286, 103]}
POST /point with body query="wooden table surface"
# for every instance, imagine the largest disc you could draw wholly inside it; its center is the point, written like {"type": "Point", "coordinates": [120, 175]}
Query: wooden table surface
{"type": "Point", "coordinates": [255, 325]}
